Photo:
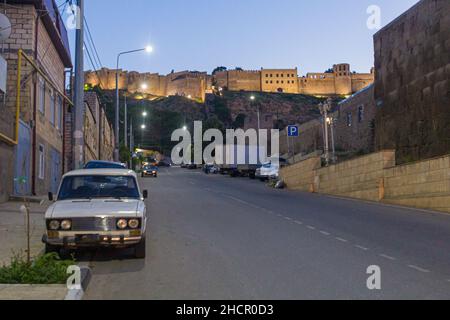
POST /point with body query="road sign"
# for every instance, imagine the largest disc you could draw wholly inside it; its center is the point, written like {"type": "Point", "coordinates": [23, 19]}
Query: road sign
{"type": "Point", "coordinates": [293, 131]}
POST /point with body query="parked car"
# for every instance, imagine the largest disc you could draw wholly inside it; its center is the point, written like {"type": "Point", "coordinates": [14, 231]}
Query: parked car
{"type": "Point", "coordinates": [97, 208]}
{"type": "Point", "coordinates": [151, 171]}
{"type": "Point", "coordinates": [207, 168]}
{"type": "Point", "coordinates": [164, 163]}
{"type": "Point", "coordinates": [104, 165]}
{"type": "Point", "coordinates": [270, 170]}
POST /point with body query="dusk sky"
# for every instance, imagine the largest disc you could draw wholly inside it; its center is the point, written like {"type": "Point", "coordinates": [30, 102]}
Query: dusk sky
{"type": "Point", "coordinates": [203, 34]}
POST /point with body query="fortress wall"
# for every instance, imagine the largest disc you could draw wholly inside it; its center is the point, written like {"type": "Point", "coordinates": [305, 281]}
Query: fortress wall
{"type": "Point", "coordinates": [317, 87]}
{"type": "Point", "coordinates": [244, 80]}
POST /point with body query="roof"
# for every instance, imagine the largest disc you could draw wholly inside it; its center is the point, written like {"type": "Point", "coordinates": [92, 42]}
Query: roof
{"type": "Point", "coordinates": [357, 93]}
{"type": "Point", "coordinates": [101, 172]}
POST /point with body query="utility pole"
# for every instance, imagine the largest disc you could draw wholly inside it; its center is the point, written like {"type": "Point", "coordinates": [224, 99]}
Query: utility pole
{"type": "Point", "coordinates": [125, 130]}
{"type": "Point", "coordinates": [78, 130]}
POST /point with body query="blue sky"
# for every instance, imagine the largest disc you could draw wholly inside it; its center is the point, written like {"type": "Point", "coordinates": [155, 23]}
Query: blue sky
{"type": "Point", "coordinates": [202, 34]}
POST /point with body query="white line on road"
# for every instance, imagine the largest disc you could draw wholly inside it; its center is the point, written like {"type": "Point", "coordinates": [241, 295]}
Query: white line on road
{"type": "Point", "coordinates": [238, 200]}
{"type": "Point", "coordinates": [298, 222]}
{"type": "Point", "coordinates": [311, 227]}
{"type": "Point", "coordinates": [419, 268]}
{"type": "Point", "coordinates": [341, 239]}
{"type": "Point", "coordinates": [287, 218]}
{"type": "Point", "coordinates": [325, 233]}
{"type": "Point", "coordinates": [387, 257]}
{"type": "Point", "coordinates": [361, 247]}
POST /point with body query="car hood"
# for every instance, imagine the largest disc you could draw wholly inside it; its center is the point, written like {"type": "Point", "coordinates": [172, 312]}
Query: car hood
{"type": "Point", "coordinates": [93, 208]}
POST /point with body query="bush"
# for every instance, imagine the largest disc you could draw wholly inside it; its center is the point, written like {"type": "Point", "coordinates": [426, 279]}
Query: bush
{"type": "Point", "coordinates": [45, 269]}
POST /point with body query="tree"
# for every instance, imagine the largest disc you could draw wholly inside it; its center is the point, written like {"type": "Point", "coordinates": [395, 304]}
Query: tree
{"type": "Point", "coordinates": [219, 69]}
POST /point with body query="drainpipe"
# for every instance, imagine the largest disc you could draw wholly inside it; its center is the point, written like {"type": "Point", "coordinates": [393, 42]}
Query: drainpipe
{"type": "Point", "coordinates": [34, 138]}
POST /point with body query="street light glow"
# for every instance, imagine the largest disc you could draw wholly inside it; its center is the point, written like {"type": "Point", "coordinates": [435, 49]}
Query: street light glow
{"type": "Point", "coordinates": [144, 86]}
{"type": "Point", "coordinates": [143, 127]}
{"type": "Point", "coordinates": [252, 98]}
{"type": "Point", "coordinates": [184, 128]}
{"type": "Point", "coordinates": [144, 114]}
{"type": "Point", "coordinates": [149, 49]}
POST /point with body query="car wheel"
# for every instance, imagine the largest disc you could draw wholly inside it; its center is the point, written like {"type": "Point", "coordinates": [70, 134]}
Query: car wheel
{"type": "Point", "coordinates": [139, 250]}
{"type": "Point", "coordinates": [51, 249]}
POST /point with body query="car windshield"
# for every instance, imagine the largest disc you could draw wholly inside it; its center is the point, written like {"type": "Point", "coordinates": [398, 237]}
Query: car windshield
{"type": "Point", "coordinates": [91, 187]}
{"type": "Point", "coordinates": [103, 165]}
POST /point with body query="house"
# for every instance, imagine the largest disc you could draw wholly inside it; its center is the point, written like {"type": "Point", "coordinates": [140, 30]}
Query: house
{"type": "Point", "coordinates": [32, 144]}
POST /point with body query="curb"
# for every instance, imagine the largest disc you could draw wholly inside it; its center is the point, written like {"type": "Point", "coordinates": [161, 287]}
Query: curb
{"type": "Point", "coordinates": [29, 199]}
{"type": "Point", "coordinates": [78, 293]}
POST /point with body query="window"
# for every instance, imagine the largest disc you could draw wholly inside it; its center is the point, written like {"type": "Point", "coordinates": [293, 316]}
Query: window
{"type": "Point", "coordinates": [360, 113]}
{"type": "Point", "coordinates": [267, 82]}
{"type": "Point", "coordinates": [349, 119]}
{"type": "Point", "coordinates": [52, 108]}
{"type": "Point", "coordinates": [41, 172]}
{"type": "Point", "coordinates": [41, 95]}
{"type": "Point", "coordinates": [60, 111]}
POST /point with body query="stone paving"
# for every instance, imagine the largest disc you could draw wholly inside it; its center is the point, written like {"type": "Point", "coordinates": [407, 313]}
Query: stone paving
{"type": "Point", "coordinates": [13, 229]}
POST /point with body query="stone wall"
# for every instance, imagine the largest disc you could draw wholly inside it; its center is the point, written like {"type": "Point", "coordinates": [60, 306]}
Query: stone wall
{"type": "Point", "coordinates": [244, 80]}
{"type": "Point", "coordinates": [424, 184]}
{"type": "Point", "coordinates": [412, 84]}
{"type": "Point", "coordinates": [375, 177]}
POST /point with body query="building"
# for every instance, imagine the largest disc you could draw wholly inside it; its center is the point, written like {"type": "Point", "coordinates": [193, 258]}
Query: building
{"type": "Point", "coordinates": [98, 132]}
{"type": "Point", "coordinates": [353, 128]}
{"type": "Point", "coordinates": [340, 82]}
{"type": "Point", "coordinates": [412, 85]}
{"type": "Point", "coordinates": [31, 151]}
{"type": "Point", "coordinates": [279, 80]}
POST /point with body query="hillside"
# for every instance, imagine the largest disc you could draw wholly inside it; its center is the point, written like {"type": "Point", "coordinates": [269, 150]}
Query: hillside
{"type": "Point", "coordinates": [231, 110]}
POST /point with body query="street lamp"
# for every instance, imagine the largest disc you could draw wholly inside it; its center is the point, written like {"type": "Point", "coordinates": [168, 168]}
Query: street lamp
{"type": "Point", "coordinates": [144, 86]}
{"type": "Point", "coordinates": [143, 127]}
{"type": "Point", "coordinates": [324, 109]}
{"type": "Point", "coordinates": [184, 128]}
{"type": "Point", "coordinates": [253, 99]}
{"type": "Point", "coordinates": [144, 114]}
{"type": "Point", "coordinates": [147, 49]}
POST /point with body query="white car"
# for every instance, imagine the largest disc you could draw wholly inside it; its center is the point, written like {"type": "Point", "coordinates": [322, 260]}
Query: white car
{"type": "Point", "coordinates": [97, 208]}
{"type": "Point", "coordinates": [268, 171]}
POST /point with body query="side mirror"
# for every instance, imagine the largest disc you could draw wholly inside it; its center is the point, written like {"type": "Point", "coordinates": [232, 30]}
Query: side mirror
{"type": "Point", "coordinates": [50, 196]}
{"type": "Point", "coordinates": [145, 194]}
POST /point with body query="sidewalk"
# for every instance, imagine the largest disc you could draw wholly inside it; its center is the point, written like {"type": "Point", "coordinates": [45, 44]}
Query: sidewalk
{"type": "Point", "coordinates": [13, 229]}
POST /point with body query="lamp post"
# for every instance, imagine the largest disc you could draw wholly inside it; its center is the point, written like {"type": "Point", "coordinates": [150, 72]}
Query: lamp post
{"type": "Point", "coordinates": [324, 109]}
{"type": "Point", "coordinates": [331, 121]}
{"type": "Point", "coordinates": [147, 49]}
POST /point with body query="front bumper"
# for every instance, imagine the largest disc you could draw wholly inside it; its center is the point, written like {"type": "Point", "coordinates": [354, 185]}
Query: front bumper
{"type": "Point", "coordinates": [92, 239]}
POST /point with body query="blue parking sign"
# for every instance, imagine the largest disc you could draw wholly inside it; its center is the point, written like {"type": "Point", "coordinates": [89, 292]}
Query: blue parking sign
{"type": "Point", "coordinates": [293, 131]}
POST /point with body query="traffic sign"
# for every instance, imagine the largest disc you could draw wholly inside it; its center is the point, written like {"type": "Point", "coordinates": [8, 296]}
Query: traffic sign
{"type": "Point", "coordinates": [293, 131]}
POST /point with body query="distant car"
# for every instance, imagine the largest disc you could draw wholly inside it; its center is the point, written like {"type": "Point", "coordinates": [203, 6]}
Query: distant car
{"type": "Point", "coordinates": [97, 209]}
{"type": "Point", "coordinates": [207, 168]}
{"type": "Point", "coordinates": [164, 163]}
{"type": "Point", "coordinates": [270, 170]}
{"type": "Point", "coordinates": [151, 171]}
{"type": "Point", "coordinates": [104, 165]}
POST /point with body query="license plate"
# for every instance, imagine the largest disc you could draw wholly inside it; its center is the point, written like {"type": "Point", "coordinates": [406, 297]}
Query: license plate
{"type": "Point", "coordinates": [88, 238]}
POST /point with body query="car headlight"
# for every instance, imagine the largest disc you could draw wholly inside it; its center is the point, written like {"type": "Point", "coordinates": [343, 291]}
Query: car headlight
{"type": "Point", "coordinates": [133, 223]}
{"type": "Point", "coordinates": [122, 224]}
{"type": "Point", "coordinates": [66, 225]}
{"type": "Point", "coordinates": [54, 225]}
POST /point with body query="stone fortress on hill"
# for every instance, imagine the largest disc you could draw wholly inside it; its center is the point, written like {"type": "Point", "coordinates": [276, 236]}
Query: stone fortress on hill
{"type": "Point", "coordinates": [338, 81]}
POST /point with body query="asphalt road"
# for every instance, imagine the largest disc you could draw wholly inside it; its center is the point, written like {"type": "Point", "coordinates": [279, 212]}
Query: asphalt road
{"type": "Point", "coordinates": [216, 237]}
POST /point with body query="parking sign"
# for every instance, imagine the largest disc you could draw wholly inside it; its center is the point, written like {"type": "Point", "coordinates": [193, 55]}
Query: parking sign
{"type": "Point", "coordinates": [293, 131]}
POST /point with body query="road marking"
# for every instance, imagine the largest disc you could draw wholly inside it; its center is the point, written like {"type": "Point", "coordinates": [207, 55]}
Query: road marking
{"type": "Point", "coordinates": [418, 268]}
{"type": "Point", "coordinates": [361, 247]}
{"type": "Point", "coordinates": [325, 233]}
{"type": "Point", "coordinates": [280, 215]}
{"type": "Point", "coordinates": [311, 227]}
{"type": "Point", "coordinates": [341, 239]}
{"type": "Point", "coordinates": [287, 218]}
{"type": "Point", "coordinates": [298, 222]}
{"type": "Point", "coordinates": [239, 200]}
{"type": "Point", "coordinates": [387, 257]}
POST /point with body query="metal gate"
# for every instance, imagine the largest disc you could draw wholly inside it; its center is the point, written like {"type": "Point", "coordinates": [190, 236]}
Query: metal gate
{"type": "Point", "coordinates": [55, 170]}
{"type": "Point", "coordinates": [22, 172]}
